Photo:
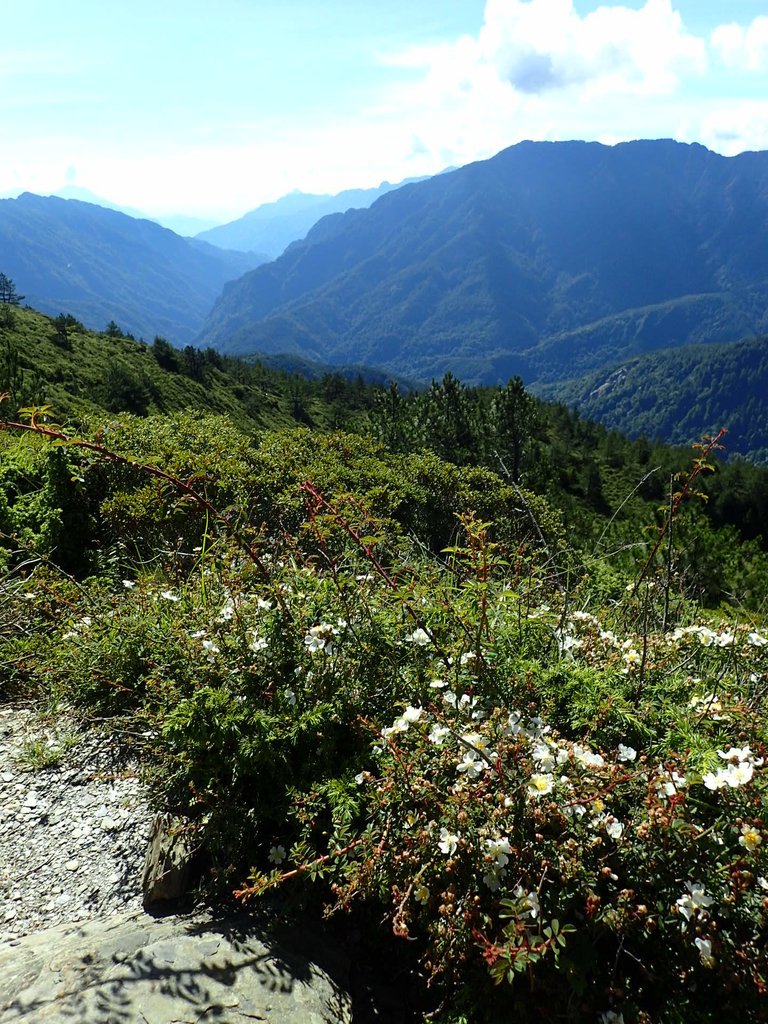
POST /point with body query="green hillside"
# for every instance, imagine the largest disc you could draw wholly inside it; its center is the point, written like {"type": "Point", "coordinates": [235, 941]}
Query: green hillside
{"type": "Point", "coordinates": [81, 374]}
{"type": "Point", "coordinates": [606, 488]}
{"type": "Point", "coordinates": [682, 393]}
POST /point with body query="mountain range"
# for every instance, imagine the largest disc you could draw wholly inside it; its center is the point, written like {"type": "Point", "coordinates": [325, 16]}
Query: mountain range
{"type": "Point", "coordinates": [67, 256]}
{"type": "Point", "coordinates": [619, 279]}
{"type": "Point", "coordinates": [548, 260]}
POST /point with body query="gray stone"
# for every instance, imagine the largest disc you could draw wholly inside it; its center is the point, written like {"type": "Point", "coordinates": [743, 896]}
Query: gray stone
{"type": "Point", "coordinates": [134, 968]}
{"type": "Point", "coordinates": [167, 865]}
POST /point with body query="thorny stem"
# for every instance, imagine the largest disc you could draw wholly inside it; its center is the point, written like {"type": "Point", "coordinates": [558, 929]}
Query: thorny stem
{"type": "Point", "coordinates": [247, 891]}
{"type": "Point", "coordinates": [699, 466]}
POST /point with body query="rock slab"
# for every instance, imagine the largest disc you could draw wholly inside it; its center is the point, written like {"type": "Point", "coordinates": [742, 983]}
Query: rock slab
{"type": "Point", "coordinates": [133, 968]}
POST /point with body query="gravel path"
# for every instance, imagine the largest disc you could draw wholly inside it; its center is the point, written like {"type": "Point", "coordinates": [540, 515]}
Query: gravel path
{"type": "Point", "coordinates": [73, 835]}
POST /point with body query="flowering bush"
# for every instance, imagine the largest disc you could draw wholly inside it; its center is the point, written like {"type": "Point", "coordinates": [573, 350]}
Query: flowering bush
{"type": "Point", "coordinates": [560, 801]}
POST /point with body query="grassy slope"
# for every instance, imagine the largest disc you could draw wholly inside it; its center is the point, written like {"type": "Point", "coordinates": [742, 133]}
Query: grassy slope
{"type": "Point", "coordinates": [75, 382]}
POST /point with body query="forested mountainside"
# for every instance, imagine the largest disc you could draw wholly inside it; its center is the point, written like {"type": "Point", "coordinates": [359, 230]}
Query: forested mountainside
{"type": "Point", "coordinates": [682, 393]}
{"type": "Point", "coordinates": [100, 265]}
{"type": "Point", "coordinates": [548, 260]}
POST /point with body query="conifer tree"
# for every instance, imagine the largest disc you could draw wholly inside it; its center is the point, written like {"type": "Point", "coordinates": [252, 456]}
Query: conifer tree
{"type": "Point", "coordinates": [8, 293]}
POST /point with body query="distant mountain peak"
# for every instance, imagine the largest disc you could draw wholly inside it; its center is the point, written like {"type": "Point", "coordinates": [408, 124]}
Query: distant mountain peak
{"type": "Point", "coordinates": [273, 226]}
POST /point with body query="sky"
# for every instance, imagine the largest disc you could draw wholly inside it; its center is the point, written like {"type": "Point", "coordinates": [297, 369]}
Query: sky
{"type": "Point", "coordinates": [211, 107]}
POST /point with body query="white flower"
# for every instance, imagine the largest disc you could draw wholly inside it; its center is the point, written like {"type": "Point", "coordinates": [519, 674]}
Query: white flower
{"type": "Point", "coordinates": [463, 703]}
{"type": "Point", "coordinates": [513, 723]}
{"type": "Point", "coordinates": [750, 838]}
{"type": "Point", "coordinates": [568, 643]}
{"type": "Point", "coordinates": [574, 810]}
{"type": "Point", "coordinates": [715, 781]}
{"type": "Point", "coordinates": [735, 754]}
{"type": "Point", "coordinates": [360, 778]}
{"type": "Point", "coordinates": [438, 684]}
{"type": "Point", "coordinates": [705, 952]}
{"type": "Point", "coordinates": [705, 635]}
{"type": "Point", "coordinates": [476, 739]}
{"type": "Point", "coordinates": [471, 766]}
{"type": "Point", "coordinates": [492, 878]}
{"type": "Point", "coordinates": [290, 697]}
{"type": "Point", "coordinates": [168, 595]}
{"type": "Point", "coordinates": [740, 774]}
{"type": "Point", "coordinates": [530, 903]}
{"type": "Point", "coordinates": [708, 705]}
{"type": "Point", "coordinates": [420, 637]}
{"type": "Point", "coordinates": [262, 604]}
{"type": "Point", "coordinates": [739, 754]}
{"type": "Point", "coordinates": [210, 649]}
{"type": "Point", "coordinates": [407, 719]}
{"type": "Point", "coordinates": [626, 753]}
{"type": "Point", "coordinates": [257, 643]}
{"type": "Point", "coordinates": [586, 757]}
{"type": "Point", "coordinates": [129, 584]}
{"type": "Point", "coordinates": [542, 753]}
{"type": "Point", "coordinates": [540, 784]}
{"type": "Point", "coordinates": [536, 728]}
{"type": "Point", "coordinates": [227, 610]}
{"type": "Point", "coordinates": [693, 902]}
{"type": "Point", "coordinates": [421, 894]}
{"type": "Point", "coordinates": [412, 714]}
{"type": "Point", "coordinates": [610, 1016]}
{"type": "Point", "coordinates": [277, 854]}
{"type": "Point", "coordinates": [320, 638]}
{"type": "Point", "coordinates": [614, 828]}
{"type": "Point", "coordinates": [724, 639]}
{"type": "Point", "coordinates": [669, 784]}
{"type": "Point", "coordinates": [632, 659]}
{"type": "Point", "coordinates": [448, 842]}
{"type": "Point", "coordinates": [438, 734]}
{"type": "Point", "coordinates": [756, 640]}
{"type": "Point", "coordinates": [499, 849]}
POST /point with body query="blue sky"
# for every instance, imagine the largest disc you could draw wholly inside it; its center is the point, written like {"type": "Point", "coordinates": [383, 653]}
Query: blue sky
{"type": "Point", "coordinates": [209, 109]}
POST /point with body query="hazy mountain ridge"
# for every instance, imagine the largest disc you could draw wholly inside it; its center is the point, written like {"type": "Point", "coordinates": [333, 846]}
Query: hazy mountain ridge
{"type": "Point", "coordinates": [483, 269]}
{"type": "Point", "coordinates": [272, 227]}
{"type": "Point", "coordinates": [101, 265]}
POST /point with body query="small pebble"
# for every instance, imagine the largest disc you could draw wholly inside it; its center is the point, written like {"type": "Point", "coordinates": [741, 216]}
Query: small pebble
{"type": "Point", "coordinates": [55, 864]}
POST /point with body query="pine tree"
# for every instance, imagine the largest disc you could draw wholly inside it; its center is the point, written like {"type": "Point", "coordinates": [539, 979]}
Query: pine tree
{"type": "Point", "coordinates": [8, 293]}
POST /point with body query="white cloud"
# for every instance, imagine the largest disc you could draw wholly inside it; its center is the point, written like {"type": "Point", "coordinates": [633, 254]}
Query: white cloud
{"type": "Point", "coordinates": [539, 70]}
{"type": "Point", "coordinates": [543, 45]}
{"type": "Point", "coordinates": [734, 126]}
{"type": "Point", "coordinates": [743, 48]}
